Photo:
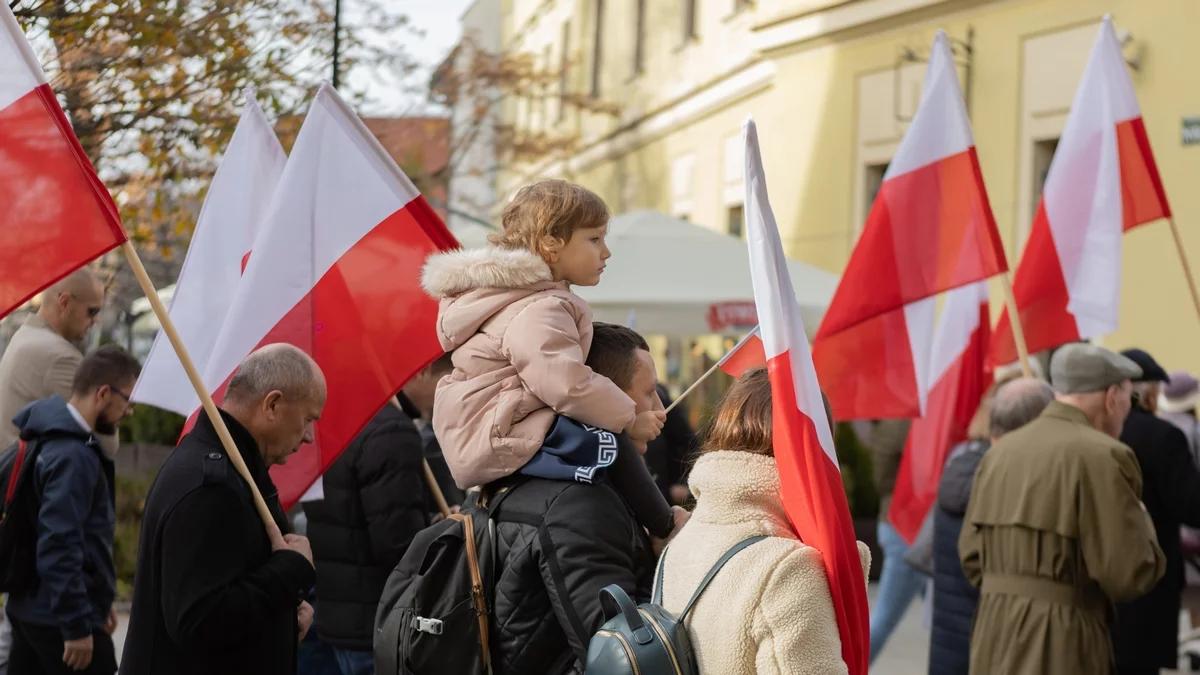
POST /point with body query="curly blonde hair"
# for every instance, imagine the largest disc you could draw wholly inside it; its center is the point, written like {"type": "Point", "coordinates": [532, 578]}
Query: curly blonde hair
{"type": "Point", "coordinates": [546, 210]}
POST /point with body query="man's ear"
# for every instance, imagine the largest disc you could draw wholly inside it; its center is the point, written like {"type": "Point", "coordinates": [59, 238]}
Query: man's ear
{"type": "Point", "coordinates": [271, 402]}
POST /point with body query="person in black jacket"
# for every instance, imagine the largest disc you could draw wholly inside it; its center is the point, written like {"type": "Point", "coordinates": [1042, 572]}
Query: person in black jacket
{"type": "Point", "coordinates": [670, 455]}
{"type": "Point", "coordinates": [417, 400]}
{"type": "Point", "coordinates": [1145, 632]}
{"type": "Point", "coordinates": [375, 501]}
{"type": "Point", "coordinates": [1012, 406]}
{"type": "Point", "coordinates": [560, 542]}
{"type": "Point", "coordinates": [215, 592]}
{"type": "Point", "coordinates": [64, 623]}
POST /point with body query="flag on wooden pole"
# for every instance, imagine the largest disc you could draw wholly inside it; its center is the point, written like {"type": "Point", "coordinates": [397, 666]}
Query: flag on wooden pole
{"type": "Point", "coordinates": [810, 479]}
{"type": "Point", "coordinates": [335, 271]}
{"type": "Point", "coordinates": [1102, 182]}
{"type": "Point", "coordinates": [930, 229]}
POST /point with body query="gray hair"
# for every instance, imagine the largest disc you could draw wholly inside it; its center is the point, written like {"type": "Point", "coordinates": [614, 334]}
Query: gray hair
{"type": "Point", "coordinates": [1017, 403]}
{"type": "Point", "coordinates": [275, 367]}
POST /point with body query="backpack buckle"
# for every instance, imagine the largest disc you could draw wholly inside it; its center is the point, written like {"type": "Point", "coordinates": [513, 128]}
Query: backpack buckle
{"type": "Point", "coordinates": [423, 625]}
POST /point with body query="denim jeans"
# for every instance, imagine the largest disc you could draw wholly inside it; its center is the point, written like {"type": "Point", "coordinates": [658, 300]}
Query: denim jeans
{"type": "Point", "coordinates": [898, 584]}
{"type": "Point", "coordinates": [355, 661]}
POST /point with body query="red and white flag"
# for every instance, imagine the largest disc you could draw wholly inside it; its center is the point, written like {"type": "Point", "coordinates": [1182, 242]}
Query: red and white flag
{"type": "Point", "coordinates": [810, 479]}
{"type": "Point", "coordinates": [335, 271]}
{"type": "Point", "coordinates": [237, 202]}
{"type": "Point", "coordinates": [55, 214]}
{"type": "Point", "coordinates": [1102, 182]}
{"type": "Point", "coordinates": [930, 229]}
{"type": "Point", "coordinates": [961, 375]}
{"type": "Point", "coordinates": [747, 354]}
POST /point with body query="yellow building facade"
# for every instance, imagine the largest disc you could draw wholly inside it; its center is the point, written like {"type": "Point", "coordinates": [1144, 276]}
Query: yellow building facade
{"type": "Point", "coordinates": [831, 84]}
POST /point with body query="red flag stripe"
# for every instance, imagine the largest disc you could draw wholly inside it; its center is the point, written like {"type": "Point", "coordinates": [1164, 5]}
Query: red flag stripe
{"type": "Point", "coordinates": [58, 216]}
{"type": "Point", "coordinates": [363, 354]}
{"type": "Point", "coordinates": [928, 231]}
{"type": "Point", "coordinates": [949, 409]}
{"type": "Point", "coordinates": [815, 501]}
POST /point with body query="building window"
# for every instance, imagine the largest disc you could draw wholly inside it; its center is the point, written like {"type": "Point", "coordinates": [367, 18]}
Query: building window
{"type": "Point", "coordinates": [682, 177]}
{"type": "Point", "coordinates": [1043, 154]}
{"type": "Point", "coordinates": [597, 48]}
{"type": "Point", "coordinates": [735, 219]}
{"type": "Point", "coordinates": [873, 181]}
{"type": "Point", "coordinates": [639, 38]}
{"type": "Point", "coordinates": [689, 20]}
{"type": "Point", "coordinates": [564, 62]}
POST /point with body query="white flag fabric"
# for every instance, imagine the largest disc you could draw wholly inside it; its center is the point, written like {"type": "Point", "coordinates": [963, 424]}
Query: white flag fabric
{"type": "Point", "coordinates": [237, 202]}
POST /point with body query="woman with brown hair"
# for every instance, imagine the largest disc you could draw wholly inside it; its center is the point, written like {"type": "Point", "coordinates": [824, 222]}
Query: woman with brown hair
{"type": "Point", "coordinates": [768, 610]}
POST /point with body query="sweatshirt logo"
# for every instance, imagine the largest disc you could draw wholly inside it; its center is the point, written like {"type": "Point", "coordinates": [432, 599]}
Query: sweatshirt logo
{"type": "Point", "coordinates": [605, 455]}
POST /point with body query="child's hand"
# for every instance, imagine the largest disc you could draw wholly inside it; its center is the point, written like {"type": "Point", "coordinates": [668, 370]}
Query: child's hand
{"type": "Point", "coordinates": [646, 426]}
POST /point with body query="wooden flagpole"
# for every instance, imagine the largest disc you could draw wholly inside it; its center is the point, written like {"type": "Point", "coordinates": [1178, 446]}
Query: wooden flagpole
{"type": "Point", "coordinates": [1014, 321]}
{"type": "Point", "coordinates": [695, 384]}
{"type": "Point", "coordinates": [430, 479]}
{"type": "Point", "coordinates": [206, 401]}
{"type": "Point", "coordinates": [1187, 268]}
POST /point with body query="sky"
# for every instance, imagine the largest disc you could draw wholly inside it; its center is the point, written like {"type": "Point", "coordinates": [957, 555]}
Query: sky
{"type": "Point", "coordinates": [438, 24]}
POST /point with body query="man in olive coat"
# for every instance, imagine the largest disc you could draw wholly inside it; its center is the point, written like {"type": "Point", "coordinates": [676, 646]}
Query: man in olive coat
{"type": "Point", "coordinates": [1055, 530]}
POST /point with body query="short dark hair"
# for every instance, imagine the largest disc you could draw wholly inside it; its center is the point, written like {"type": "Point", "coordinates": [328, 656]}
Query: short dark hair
{"type": "Point", "coordinates": [108, 365]}
{"type": "Point", "coordinates": [612, 352]}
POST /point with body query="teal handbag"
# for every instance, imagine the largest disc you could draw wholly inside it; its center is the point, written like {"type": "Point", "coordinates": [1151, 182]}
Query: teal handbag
{"type": "Point", "coordinates": [647, 639]}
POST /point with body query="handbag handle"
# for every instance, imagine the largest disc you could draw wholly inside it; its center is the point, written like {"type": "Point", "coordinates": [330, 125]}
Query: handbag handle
{"type": "Point", "coordinates": [615, 601]}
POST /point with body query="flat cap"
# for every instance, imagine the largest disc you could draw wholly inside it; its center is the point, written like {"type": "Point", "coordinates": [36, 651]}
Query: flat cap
{"type": "Point", "coordinates": [1080, 367]}
{"type": "Point", "coordinates": [1151, 371]}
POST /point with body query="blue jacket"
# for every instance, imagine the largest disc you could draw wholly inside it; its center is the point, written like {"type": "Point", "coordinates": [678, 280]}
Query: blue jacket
{"type": "Point", "coordinates": [73, 481]}
{"type": "Point", "coordinates": [954, 598]}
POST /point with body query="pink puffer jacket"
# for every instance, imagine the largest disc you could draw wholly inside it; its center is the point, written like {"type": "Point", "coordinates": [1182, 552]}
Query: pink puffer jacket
{"type": "Point", "coordinates": [520, 340]}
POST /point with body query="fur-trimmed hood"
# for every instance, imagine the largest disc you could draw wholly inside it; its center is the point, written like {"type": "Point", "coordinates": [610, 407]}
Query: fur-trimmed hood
{"type": "Point", "coordinates": [473, 285]}
{"type": "Point", "coordinates": [456, 272]}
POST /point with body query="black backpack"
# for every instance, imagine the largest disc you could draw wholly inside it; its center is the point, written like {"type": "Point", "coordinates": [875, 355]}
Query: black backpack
{"type": "Point", "coordinates": [18, 516]}
{"type": "Point", "coordinates": [434, 610]}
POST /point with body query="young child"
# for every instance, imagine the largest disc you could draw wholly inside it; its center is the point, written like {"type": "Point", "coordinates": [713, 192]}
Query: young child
{"type": "Point", "coordinates": [520, 398]}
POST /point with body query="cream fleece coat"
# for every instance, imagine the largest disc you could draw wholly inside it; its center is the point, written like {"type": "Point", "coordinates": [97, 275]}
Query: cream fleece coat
{"type": "Point", "coordinates": [520, 342]}
{"type": "Point", "coordinates": [769, 609]}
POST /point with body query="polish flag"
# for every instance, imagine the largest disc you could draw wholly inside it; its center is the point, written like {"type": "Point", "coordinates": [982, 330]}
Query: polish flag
{"type": "Point", "coordinates": [930, 229]}
{"type": "Point", "coordinates": [55, 214]}
{"type": "Point", "coordinates": [961, 375]}
{"type": "Point", "coordinates": [336, 272]}
{"type": "Point", "coordinates": [747, 354]}
{"type": "Point", "coordinates": [1102, 182]}
{"type": "Point", "coordinates": [237, 202]}
{"type": "Point", "coordinates": [810, 479]}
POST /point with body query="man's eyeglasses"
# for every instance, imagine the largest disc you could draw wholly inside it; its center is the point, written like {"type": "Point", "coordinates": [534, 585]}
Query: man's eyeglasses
{"type": "Point", "coordinates": [118, 392]}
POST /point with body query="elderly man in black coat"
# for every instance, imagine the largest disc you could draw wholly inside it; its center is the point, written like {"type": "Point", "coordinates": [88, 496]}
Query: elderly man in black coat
{"type": "Point", "coordinates": [214, 593]}
{"type": "Point", "coordinates": [1145, 633]}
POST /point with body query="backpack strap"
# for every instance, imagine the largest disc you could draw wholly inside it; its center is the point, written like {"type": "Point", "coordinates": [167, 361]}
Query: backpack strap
{"type": "Point", "coordinates": [734, 550]}
{"type": "Point", "coordinates": [15, 473]}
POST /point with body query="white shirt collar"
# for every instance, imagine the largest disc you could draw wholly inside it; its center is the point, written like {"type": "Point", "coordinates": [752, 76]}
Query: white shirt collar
{"type": "Point", "coordinates": [79, 418]}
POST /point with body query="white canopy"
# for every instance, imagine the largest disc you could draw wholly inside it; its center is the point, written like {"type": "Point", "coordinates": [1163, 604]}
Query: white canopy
{"type": "Point", "coordinates": [670, 277]}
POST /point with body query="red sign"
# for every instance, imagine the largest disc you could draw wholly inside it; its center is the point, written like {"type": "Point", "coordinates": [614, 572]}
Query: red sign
{"type": "Point", "coordinates": [738, 314]}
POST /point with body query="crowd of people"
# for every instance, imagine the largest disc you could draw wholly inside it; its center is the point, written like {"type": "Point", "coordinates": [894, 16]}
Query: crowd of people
{"type": "Point", "coordinates": [1054, 546]}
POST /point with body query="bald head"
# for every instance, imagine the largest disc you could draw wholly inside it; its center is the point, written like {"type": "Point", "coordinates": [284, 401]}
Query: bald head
{"type": "Point", "coordinates": [1017, 403]}
{"type": "Point", "coordinates": [71, 305]}
{"type": "Point", "coordinates": [277, 393]}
